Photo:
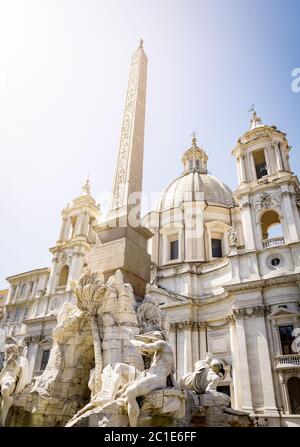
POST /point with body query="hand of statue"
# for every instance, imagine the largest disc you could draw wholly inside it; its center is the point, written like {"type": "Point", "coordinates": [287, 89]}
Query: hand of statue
{"type": "Point", "coordinates": [208, 357]}
{"type": "Point", "coordinates": [136, 343]}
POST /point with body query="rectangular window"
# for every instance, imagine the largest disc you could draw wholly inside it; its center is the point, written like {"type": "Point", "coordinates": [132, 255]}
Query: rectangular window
{"type": "Point", "coordinates": [286, 339]}
{"type": "Point", "coordinates": [23, 290]}
{"type": "Point", "coordinates": [216, 248]}
{"type": "Point", "coordinates": [31, 286]}
{"type": "Point", "coordinates": [45, 358]}
{"type": "Point", "coordinates": [17, 314]}
{"type": "Point", "coordinates": [174, 249]}
{"type": "Point", "coordinates": [8, 313]}
{"type": "Point", "coordinates": [26, 313]}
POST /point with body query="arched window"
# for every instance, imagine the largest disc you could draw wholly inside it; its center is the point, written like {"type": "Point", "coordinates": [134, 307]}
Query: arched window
{"type": "Point", "coordinates": [63, 277]}
{"type": "Point", "coordinates": [293, 385]}
{"type": "Point", "coordinates": [260, 163]}
{"type": "Point", "coordinates": [271, 225]}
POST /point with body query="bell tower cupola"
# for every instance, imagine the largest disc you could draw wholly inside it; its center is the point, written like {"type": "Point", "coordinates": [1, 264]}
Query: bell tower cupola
{"type": "Point", "coordinates": [76, 238]}
{"type": "Point", "coordinates": [195, 158]}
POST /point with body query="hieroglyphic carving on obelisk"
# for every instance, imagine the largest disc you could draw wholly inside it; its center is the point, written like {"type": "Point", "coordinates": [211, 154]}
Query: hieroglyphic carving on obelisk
{"type": "Point", "coordinates": [129, 170]}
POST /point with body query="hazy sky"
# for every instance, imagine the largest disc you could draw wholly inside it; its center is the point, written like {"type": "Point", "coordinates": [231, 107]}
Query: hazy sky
{"type": "Point", "coordinates": [64, 67]}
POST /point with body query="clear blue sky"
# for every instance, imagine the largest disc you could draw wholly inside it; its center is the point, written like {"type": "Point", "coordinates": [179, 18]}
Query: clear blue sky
{"type": "Point", "coordinates": [63, 76]}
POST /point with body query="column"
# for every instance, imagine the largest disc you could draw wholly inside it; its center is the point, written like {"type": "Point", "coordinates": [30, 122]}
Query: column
{"type": "Point", "coordinates": [289, 216]}
{"type": "Point", "coordinates": [75, 268]}
{"type": "Point", "coordinates": [243, 370]}
{"type": "Point", "coordinates": [63, 229]}
{"type": "Point", "coordinates": [165, 247]}
{"type": "Point", "coordinates": [285, 394]}
{"type": "Point", "coordinates": [67, 229]}
{"type": "Point", "coordinates": [195, 344]}
{"type": "Point", "coordinates": [242, 171]}
{"type": "Point", "coordinates": [276, 339]}
{"type": "Point", "coordinates": [265, 363]}
{"type": "Point", "coordinates": [187, 329]}
{"type": "Point", "coordinates": [252, 164]}
{"type": "Point", "coordinates": [172, 341]}
{"type": "Point", "coordinates": [32, 354]}
{"type": "Point", "coordinates": [247, 226]}
{"type": "Point", "coordinates": [288, 162]}
{"type": "Point", "coordinates": [202, 340]}
{"type": "Point", "coordinates": [272, 160]}
{"type": "Point", "coordinates": [180, 351]}
{"type": "Point", "coordinates": [247, 167]}
{"type": "Point", "coordinates": [52, 278]}
{"type": "Point", "coordinates": [85, 224]}
{"type": "Point", "coordinates": [278, 157]}
{"type": "Point", "coordinates": [234, 360]}
{"type": "Point", "coordinates": [78, 224]}
{"type": "Point", "coordinates": [295, 212]}
{"type": "Point", "coordinates": [268, 161]}
{"type": "Point", "coordinates": [239, 170]}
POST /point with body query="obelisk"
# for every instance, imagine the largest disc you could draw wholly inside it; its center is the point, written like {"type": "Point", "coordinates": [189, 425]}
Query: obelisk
{"type": "Point", "coordinates": [121, 240]}
{"type": "Point", "coordinates": [127, 183]}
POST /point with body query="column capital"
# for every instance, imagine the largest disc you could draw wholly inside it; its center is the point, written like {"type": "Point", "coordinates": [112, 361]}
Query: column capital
{"type": "Point", "coordinates": [230, 318]}
{"type": "Point", "coordinates": [202, 325]}
{"type": "Point", "coordinates": [238, 313]}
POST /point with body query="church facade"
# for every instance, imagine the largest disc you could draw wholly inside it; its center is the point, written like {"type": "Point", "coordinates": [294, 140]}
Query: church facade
{"type": "Point", "coordinates": [224, 267]}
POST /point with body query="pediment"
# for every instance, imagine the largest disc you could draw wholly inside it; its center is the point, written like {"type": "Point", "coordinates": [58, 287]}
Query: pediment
{"type": "Point", "coordinates": [46, 341]}
{"type": "Point", "coordinates": [166, 297]}
{"type": "Point", "coordinates": [281, 312]}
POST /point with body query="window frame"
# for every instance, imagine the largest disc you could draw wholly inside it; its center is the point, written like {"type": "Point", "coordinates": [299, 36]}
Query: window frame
{"type": "Point", "coordinates": [280, 339]}
{"type": "Point", "coordinates": [220, 247]}
{"type": "Point", "coordinates": [170, 249]}
{"type": "Point", "coordinates": [43, 361]}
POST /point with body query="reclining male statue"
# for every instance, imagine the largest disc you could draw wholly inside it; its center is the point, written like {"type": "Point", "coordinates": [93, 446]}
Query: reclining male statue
{"type": "Point", "coordinates": [125, 383]}
{"type": "Point", "coordinates": [205, 378]}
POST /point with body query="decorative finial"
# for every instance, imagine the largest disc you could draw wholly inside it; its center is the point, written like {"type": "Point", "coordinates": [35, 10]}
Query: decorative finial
{"type": "Point", "coordinates": [194, 139]}
{"type": "Point", "coordinates": [255, 119]}
{"type": "Point", "coordinates": [252, 109]}
{"type": "Point", "coordinates": [86, 189]}
{"type": "Point", "coordinates": [141, 43]}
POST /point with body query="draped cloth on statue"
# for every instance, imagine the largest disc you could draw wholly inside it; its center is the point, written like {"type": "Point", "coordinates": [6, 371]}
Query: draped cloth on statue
{"type": "Point", "coordinates": [202, 379]}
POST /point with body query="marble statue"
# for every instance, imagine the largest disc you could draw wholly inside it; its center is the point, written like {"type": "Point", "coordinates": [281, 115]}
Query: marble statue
{"type": "Point", "coordinates": [124, 383]}
{"type": "Point", "coordinates": [232, 237]}
{"type": "Point", "coordinates": [149, 317]}
{"type": "Point", "coordinates": [13, 376]}
{"type": "Point", "coordinates": [206, 376]}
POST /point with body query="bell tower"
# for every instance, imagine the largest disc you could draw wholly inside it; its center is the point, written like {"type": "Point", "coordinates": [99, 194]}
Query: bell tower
{"type": "Point", "coordinates": [76, 238]}
{"type": "Point", "coordinates": [268, 191]}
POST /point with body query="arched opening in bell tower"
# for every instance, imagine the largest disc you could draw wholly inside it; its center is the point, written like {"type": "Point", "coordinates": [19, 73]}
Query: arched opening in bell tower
{"type": "Point", "coordinates": [260, 163]}
{"type": "Point", "coordinates": [63, 277]}
{"type": "Point", "coordinates": [271, 225]}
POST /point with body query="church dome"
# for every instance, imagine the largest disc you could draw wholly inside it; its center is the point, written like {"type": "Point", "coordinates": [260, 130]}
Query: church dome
{"type": "Point", "coordinates": [190, 185]}
{"type": "Point", "coordinates": [195, 184]}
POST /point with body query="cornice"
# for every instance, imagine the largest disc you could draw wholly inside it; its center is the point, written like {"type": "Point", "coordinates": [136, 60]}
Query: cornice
{"type": "Point", "coordinates": [294, 278]}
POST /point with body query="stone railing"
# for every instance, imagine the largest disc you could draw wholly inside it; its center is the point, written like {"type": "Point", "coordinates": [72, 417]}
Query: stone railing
{"type": "Point", "coordinates": [274, 242]}
{"type": "Point", "coordinates": [287, 361]}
